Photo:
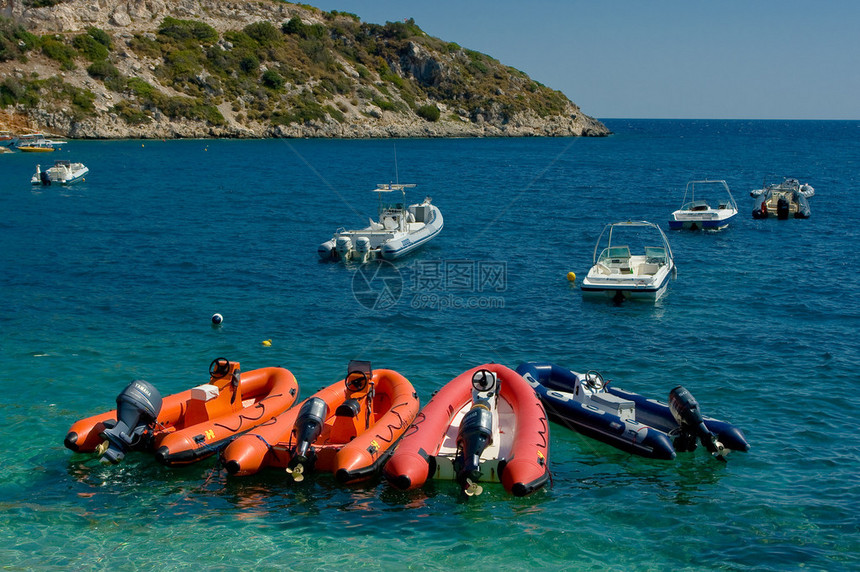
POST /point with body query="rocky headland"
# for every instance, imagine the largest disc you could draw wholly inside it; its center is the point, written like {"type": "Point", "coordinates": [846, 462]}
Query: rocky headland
{"type": "Point", "coordinates": [256, 68]}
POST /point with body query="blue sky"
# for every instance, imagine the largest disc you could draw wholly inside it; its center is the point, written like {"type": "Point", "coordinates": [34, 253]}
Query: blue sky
{"type": "Point", "coordinates": [726, 59]}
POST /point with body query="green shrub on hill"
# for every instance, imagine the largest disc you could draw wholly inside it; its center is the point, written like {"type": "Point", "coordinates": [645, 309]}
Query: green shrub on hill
{"type": "Point", "coordinates": [57, 50]}
{"type": "Point", "coordinates": [95, 44]}
{"type": "Point", "coordinates": [15, 41]}
{"type": "Point", "coordinates": [272, 80]}
{"type": "Point", "coordinates": [188, 31]}
{"type": "Point", "coordinates": [14, 92]}
{"type": "Point", "coordinates": [90, 48]}
{"type": "Point", "coordinates": [264, 33]}
{"type": "Point", "coordinates": [428, 112]}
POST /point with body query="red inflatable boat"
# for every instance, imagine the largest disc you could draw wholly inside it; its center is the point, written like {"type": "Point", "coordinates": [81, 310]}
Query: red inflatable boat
{"type": "Point", "coordinates": [348, 428]}
{"type": "Point", "coordinates": [486, 425]}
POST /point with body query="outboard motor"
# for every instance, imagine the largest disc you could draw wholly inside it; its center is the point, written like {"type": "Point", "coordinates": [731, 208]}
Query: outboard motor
{"type": "Point", "coordinates": [45, 178]}
{"type": "Point", "coordinates": [782, 207]}
{"type": "Point", "coordinates": [362, 247]}
{"type": "Point", "coordinates": [136, 407]}
{"type": "Point", "coordinates": [685, 410]}
{"type": "Point", "coordinates": [343, 245]}
{"type": "Point", "coordinates": [309, 425]}
{"type": "Point", "coordinates": [476, 430]}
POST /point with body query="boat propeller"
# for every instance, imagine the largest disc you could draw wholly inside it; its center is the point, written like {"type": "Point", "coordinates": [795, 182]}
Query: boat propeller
{"type": "Point", "coordinates": [473, 489]}
{"type": "Point", "coordinates": [685, 410]}
{"type": "Point", "coordinates": [297, 472]}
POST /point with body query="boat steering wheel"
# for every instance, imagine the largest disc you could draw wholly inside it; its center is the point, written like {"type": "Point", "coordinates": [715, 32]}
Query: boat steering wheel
{"type": "Point", "coordinates": [219, 367]}
{"type": "Point", "coordinates": [594, 380]}
{"type": "Point", "coordinates": [356, 381]}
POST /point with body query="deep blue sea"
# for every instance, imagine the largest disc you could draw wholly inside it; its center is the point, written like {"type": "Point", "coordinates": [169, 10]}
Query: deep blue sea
{"type": "Point", "coordinates": [116, 279]}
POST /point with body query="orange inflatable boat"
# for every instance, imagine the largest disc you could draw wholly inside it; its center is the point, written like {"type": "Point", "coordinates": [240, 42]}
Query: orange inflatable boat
{"type": "Point", "coordinates": [486, 425]}
{"type": "Point", "coordinates": [187, 426]}
{"type": "Point", "coordinates": [348, 428]}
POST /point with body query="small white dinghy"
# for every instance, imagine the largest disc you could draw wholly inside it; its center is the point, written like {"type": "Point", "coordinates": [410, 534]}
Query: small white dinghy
{"type": "Point", "coordinates": [398, 231]}
{"type": "Point", "coordinates": [699, 212]}
{"type": "Point", "coordinates": [63, 172]}
{"type": "Point", "coordinates": [620, 275]}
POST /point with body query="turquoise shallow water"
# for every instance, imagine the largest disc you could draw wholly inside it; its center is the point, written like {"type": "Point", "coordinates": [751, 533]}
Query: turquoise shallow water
{"type": "Point", "coordinates": [116, 279]}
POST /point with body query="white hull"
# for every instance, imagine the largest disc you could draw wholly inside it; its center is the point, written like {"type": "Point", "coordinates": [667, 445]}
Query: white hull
{"type": "Point", "coordinates": [619, 275]}
{"type": "Point", "coordinates": [391, 238]}
{"type": "Point", "coordinates": [700, 214]}
{"type": "Point", "coordinates": [62, 173]}
{"type": "Point", "coordinates": [627, 286]}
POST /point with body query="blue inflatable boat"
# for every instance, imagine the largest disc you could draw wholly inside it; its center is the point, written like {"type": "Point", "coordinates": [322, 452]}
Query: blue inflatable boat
{"type": "Point", "coordinates": [626, 420]}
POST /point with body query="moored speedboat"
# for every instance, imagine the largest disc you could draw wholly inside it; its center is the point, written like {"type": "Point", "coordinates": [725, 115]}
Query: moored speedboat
{"type": "Point", "coordinates": [36, 147]}
{"type": "Point", "coordinates": [187, 426]}
{"type": "Point", "coordinates": [619, 274]}
{"type": "Point", "coordinates": [626, 420]}
{"type": "Point", "coordinates": [712, 209]}
{"type": "Point", "coordinates": [348, 428]}
{"type": "Point", "coordinates": [486, 425]}
{"type": "Point", "coordinates": [63, 172]}
{"type": "Point", "coordinates": [398, 231]}
{"type": "Point", "coordinates": [788, 199]}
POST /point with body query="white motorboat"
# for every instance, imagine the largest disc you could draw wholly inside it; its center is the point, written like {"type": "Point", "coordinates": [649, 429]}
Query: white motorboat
{"type": "Point", "coordinates": [63, 172]}
{"type": "Point", "coordinates": [788, 199]}
{"type": "Point", "coordinates": [707, 205]}
{"type": "Point", "coordinates": [399, 230]}
{"type": "Point", "coordinates": [619, 273]}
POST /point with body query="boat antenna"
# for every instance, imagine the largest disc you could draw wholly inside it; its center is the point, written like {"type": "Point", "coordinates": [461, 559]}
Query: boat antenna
{"type": "Point", "coordinates": [396, 173]}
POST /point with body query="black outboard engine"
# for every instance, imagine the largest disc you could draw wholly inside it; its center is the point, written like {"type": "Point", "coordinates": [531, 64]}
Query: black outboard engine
{"type": "Point", "coordinates": [685, 410]}
{"type": "Point", "coordinates": [136, 407]}
{"type": "Point", "coordinates": [309, 425]}
{"type": "Point", "coordinates": [476, 431]}
{"type": "Point", "coordinates": [782, 207]}
{"type": "Point", "coordinates": [45, 178]}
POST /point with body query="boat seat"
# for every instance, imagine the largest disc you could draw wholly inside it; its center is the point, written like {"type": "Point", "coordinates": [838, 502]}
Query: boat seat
{"type": "Point", "coordinates": [389, 223]}
{"type": "Point", "coordinates": [350, 421]}
{"type": "Point", "coordinates": [647, 269]}
{"type": "Point", "coordinates": [205, 392]}
{"type": "Point", "coordinates": [623, 408]}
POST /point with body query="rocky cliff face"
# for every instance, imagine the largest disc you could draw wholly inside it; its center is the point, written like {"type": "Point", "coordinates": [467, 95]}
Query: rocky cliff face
{"type": "Point", "coordinates": [379, 91]}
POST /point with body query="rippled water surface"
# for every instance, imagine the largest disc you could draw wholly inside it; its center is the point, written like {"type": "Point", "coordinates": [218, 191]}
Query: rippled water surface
{"type": "Point", "coordinates": [116, 278]}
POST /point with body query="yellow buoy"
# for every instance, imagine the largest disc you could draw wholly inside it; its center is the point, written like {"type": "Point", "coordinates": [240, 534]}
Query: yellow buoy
{"type": "Point", "coordinates": [571, 276]}
{"type": "Point", "coordinates": [267, 343]}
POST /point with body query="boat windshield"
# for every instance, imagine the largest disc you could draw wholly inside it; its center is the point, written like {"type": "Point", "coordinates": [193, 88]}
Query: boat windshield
{"type": "Point", "coordinates": [699, 195]}
{"type": "Point", "coordinates": [392, 198]}
{"type": "Point", "coordinates": [619, 241]}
